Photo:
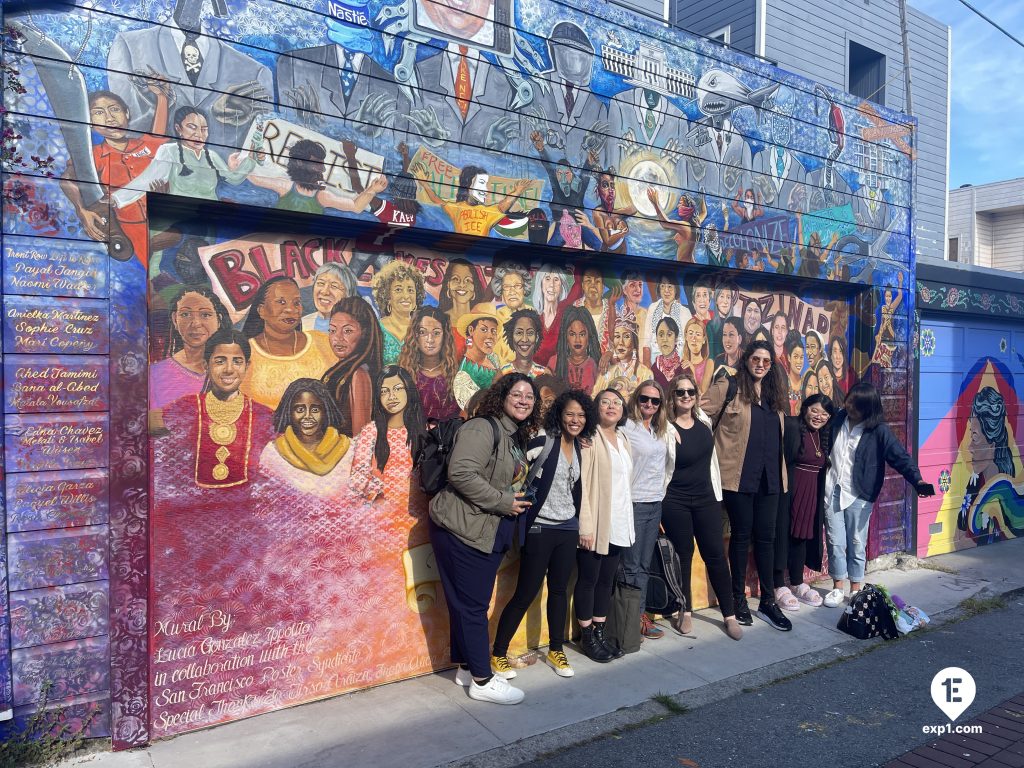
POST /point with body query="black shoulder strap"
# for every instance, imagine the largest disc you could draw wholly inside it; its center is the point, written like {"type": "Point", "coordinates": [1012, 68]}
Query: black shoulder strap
{"type": "Point", "coordinates": [730, 395]}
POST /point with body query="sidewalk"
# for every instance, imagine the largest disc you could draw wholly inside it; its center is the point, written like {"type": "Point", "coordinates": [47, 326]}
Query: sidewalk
{"type": "Point", "coordinates": [430, 721]}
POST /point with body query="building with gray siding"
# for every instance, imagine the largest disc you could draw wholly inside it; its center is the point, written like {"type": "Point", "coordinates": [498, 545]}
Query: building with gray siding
{"type": "Point", "coordinates": [844, 44]}
{"type": "Point", "coordinates": [986, 225]}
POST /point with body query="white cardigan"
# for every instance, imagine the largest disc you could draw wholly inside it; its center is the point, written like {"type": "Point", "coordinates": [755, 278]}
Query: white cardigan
{"type": "Point", "coordinates": [671, 436]}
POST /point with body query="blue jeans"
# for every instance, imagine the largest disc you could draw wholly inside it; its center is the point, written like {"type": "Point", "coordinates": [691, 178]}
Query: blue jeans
{"type": "Point", "coordinates": [636, 560]}
{"type": "Point", "coordinates": [847, 533]}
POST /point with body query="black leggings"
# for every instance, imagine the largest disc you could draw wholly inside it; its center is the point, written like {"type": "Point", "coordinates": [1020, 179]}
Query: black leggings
{"type": "Point", "coordinates": [789, 552]}
{"type": "Point", "coordinates": [752, 514]}
{"type": "Point", "coordinates": [685, 517]}
{"type": "Point", "coordinates": [548, 551]}
{"type": "Point", "coordinates": [594, 582]}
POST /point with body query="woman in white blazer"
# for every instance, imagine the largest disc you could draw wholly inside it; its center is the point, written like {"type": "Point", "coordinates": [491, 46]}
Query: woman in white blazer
{"type": "Point", "coordinates": [693, 500]}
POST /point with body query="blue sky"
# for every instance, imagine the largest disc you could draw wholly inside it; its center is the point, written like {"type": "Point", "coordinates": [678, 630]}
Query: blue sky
{"type": "Point", "coordinates": [987, 90]}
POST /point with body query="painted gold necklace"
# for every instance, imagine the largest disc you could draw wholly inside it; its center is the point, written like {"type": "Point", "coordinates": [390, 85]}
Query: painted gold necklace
{"type": "Point", "coordinates": [222, 430]}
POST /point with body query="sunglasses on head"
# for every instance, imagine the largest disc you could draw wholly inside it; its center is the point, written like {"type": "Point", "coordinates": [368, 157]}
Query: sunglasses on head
{"type": "Point", "coordinates": [686, 392]}
{"type": "Point", "coordinates": [645, 399]}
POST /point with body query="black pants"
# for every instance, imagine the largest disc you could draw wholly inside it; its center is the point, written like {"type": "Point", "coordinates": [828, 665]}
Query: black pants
{"type": "Point", "coordinates": [752, 514]}
{"type": "Point", "coordinates": [548, 551]}
{"type": "Point", "coordinates": [594, 582]}
{"type": "Point", "coordinates": [687, 517]}
{"type": "Point", "coordinates": [789, 552]}
{"type": "Point", "coordinates": [467, 576]}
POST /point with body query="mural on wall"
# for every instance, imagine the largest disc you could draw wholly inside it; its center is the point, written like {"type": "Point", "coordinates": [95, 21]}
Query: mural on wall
{"type": "Point", "coordinates": [971, 446]}
{"type": "Point", "coordinates": [573, 125]}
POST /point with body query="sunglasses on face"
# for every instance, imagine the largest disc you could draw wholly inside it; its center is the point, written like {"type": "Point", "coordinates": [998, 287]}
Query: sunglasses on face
{"type": "Point", "coordinates": [686, 393]}
{"type": "Point", "coordinates": [645, 399]}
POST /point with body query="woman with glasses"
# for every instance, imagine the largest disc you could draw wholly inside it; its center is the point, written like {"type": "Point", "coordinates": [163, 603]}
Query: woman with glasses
{"type": "Point", "coordinates": [473, 522]}
{"type": "Point", "coordinates": [646, 428]}
{"type": "Point", "coordinates": [606, 523]}
{"type": "Point", "coordinates": [552, 527]}
{"type": "Point", "coordinates": [692, 505]}
{"type": "Point", "coordinates": [748, 439]}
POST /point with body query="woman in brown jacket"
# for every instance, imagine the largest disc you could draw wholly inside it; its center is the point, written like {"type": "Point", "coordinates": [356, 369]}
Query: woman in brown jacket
{"type": "Point", "coordinates": [606, 523]}
{"type": "Point", "coordinates": [748, 440]}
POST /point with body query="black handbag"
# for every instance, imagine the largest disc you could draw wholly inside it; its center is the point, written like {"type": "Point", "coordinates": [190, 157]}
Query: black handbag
{"type": "Point", "coordinates": [623, 623]}
{"type": "Point", "coordinates": [868, 615]}
{"type": "Point", "coordinates": [665, 580]}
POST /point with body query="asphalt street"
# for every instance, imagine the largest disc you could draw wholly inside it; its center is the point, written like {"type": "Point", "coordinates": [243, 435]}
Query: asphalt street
{"type": "Point", "coordinates": [859, 712]}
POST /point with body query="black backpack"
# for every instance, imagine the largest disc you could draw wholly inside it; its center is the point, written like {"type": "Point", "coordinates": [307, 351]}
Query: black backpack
{"type": "Point", "coordinates": [869, 614]}
{"type": "Point", "coordinates": [435, 451]}
{"type": "Point", "coordinates": [665, 580]}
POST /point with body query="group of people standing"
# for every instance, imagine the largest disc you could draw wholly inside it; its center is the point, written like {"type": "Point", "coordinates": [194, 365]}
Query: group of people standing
{"type": "Point", "coordinates": [587, 482]}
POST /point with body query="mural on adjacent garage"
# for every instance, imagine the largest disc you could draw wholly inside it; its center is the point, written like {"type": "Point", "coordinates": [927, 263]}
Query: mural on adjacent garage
{"type": "Point", "coordinates": [573, 125]}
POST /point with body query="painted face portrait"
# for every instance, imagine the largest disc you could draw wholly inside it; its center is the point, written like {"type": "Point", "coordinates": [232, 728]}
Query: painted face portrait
{"type": "Point", "coordinates": [195, 320]}
{"type": "Point", "coordinates": [225, 369]}
{"type": "Point", "coordinates": [593, 286]}
{"type": "Point", "coordinates": [779, 330]}
{"type": "Point", "coordinates": [461, 19]}
{"type": "Point", "coordinates": [633, 290]}
{"type": "Point", "coordinates": [551, 286]}
{"type": "Point", "coordinates": [484, 335]}
{"type": "Point", "coordinates": [730, 340]}
{"type": "Point", "coordinates": [403, 297]}
{"type": "Point", "coordinates": [461, 288]}
{"type": "Point", "coordinates": [666, 291]}
{"type": "Point", "coordinates": [308, 418]}
{"type": "Point", "coordinates": [193, 131]}
{"type": "Point", "coordinates": [666, 339]}
{"type": "Point", "coordinates": [281, 311]}
{"type": "Point", "coordinates": [513, 290]}
{"type": "Point", "coordinates": [429, 337]}
{"type": "Point", "coordinates": [344, 333]}
{"type": "Point", "coordinates": [478, 188]}
{"type": "Point", "coordinates": [701, 300]}
{"type": "Point", "coordinates": [622, 342]}
{"type": "Point", "coordinates": [813, 349]}
{"type": "Point", "coordinates": [328, 290]}
{"type": "Point", "coordinates": [109, 118]}
{"type": "Point", "coordinates": [524, 337]}
{"type": "Point", "coordinates": [837, 358]}
{"type": "Point", "coordinates": [547, 399]}
{"type": "Point", "coordinates": [810, 385]}
{"type": "Point", "coordinates": [606, 191]}
{"type": "Point", "coordinates": [695, 338]}
{"type": "Point", "coordinates": [578, 337]}
{"type": "Point", "coordinates": [752, 317]}
{"type": "Point", "coordinates": [723, 303]}
{"type": "Point", "coordinates": [393, 395]}
{"type": "Point", "coordinates": [825, 381]}
{"type": "Point", "coordinates": [796, 359]}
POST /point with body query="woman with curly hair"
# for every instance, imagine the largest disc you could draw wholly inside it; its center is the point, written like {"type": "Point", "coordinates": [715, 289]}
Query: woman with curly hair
{"type": "Point", "coordinates": [748, 441]}
{"type": "Point", "coordinates": [307, 455]}
{"type": "Point", "coordinates": [511, 285]}
{"type": "Point", "coordinates": [523, 333]}
{"type": "Point", "coordinates": [474, 520]}
{"type": "Point", "coordinates": [356, 342]}
{"type": "Point", "coordinates": [460, 292]}
{"type": "Point", "coordinates": [385, 446]}
{"type": "Point", "coordinates": [196, 314]}
{"type": "Point", "coordinates": [398, 292]}
{"type": "Point", "coordinates": [578, 349]}
{"type": "Point", "coordinates": [553, 527]}
{"type": "Point", "coordinates": [429, 352]}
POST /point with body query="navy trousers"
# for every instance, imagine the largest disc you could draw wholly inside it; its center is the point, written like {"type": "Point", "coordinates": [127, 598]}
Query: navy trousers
{"type": "Point", "coordinates": [467, 576]}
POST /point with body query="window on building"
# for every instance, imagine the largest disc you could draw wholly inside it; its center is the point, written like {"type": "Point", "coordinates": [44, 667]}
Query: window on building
{"type": "Point", "coordinates": [953, 253]}
{"type": "Point", "coordinates": [723, 35]}
{"type": "Point", "coordinates": [867, 73]}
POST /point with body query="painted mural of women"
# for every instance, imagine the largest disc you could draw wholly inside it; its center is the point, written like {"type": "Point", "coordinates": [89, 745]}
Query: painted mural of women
{"type": "Point", "coordinates": [460, 291]}
{"type": "Point", "coordinates": [355, 340]}
{"type": "Point", "coordinates": [308, 454]}
{"type": "Point", "coordinates": [667, 305]}
{"type": "Point", "coordinates": [398, 292]}
{"type": "Point", "coordinates": [551, 286]}
{"type": "Point", "coordinates": [669, 362]}
{"type": "Point", "coordinates": [726, 296]}
{"type": "Point", "coordinates": [695, 354]}
{"type": "Point", "coordinates": [840, 369]}
{"type": "Point", "coordinates": [382, 464]}
{"type": "Point", "coordinates": [195, 314]}
{"type": "Point", "coordinates": [794, 370]}
{"type": "Point", "coordinates": [814, 347]}
{"type": "Point", "coordinates": [281, 350]}
{"type": "Point", "coordinates": [625, 358]}
{"type": "Point", "coordinates": [989, 448]}
{"type": "Point", "coordinates": [779, 328]}
{"type": "Point", "coordinates": [331, 283]}
{"type": "Point", "coordinates": [480, 366]}
{"type": "Point", "coordinates": [578, 349]}
{"type": "Point", "coordinates": [827, 382]}
{"type": "Point", "coordinates": [511, 284]}
{"type": "Point", "coordinates": [429, 353]}
{"type": "Point", "coordinates": [523, 332]}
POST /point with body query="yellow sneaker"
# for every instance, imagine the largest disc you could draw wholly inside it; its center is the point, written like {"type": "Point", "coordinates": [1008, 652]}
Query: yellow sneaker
{"type": "Point", "coordinates": [502, 668]}
{"type": "Point", "coordinates": [561, 664]}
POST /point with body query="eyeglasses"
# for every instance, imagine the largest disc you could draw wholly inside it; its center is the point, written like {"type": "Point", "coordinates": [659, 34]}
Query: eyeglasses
{"type": "Point", "coordinates": [760, 362]}
{"type": "Point", "coordinates": [686, 393]}
{"type": "Point", "coordinates": [645, 399]}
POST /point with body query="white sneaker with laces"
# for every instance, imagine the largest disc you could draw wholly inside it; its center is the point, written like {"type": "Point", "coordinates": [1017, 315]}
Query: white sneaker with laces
{"type": "Point", "coordinates": [498, 690]}
{"type": "Point", "coordinates": [463, 677]}
{"type": "Point", "coordinates": [834, 599]}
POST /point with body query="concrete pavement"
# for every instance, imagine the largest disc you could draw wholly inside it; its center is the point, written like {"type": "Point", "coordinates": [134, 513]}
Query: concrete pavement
{"type": "Point", "coordinates": [430, 721]}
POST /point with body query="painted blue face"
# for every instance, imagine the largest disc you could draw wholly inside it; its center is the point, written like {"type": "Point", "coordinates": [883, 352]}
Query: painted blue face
{"type": "Point", "coordinates": [351, 37]}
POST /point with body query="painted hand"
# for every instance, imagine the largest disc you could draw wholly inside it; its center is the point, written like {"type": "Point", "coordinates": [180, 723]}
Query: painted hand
{"type": "Point", "coordinates": [240, 102]}
{"type": "Point", "coordinates": [501, 133]}
{"type": "Point", "coordinates": [376, 113]}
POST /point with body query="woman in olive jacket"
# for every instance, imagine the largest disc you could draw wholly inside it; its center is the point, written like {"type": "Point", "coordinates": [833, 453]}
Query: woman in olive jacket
{"type": "Point", "coordinates": [473, 522]}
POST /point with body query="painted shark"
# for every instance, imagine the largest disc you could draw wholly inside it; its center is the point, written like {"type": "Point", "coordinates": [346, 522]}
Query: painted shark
{"type": "Point", "coordinates": [719, 94]}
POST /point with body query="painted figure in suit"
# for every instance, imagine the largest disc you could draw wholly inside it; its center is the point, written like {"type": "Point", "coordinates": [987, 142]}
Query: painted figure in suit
{"type": "Point", "coordinates": [647, 121]}
{"type": "Point", "coordinates": [779, 172]}
{"type": "Point", "coordinates": [205, 72]}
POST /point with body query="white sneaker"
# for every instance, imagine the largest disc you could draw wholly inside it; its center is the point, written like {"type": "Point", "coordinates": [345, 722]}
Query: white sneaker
{"type": "Point", "coordinates": [834, 599]}
{"type": "Point", "coordinates": [497, 691]}
{"type": "Point", "coordinates": [463, 677]}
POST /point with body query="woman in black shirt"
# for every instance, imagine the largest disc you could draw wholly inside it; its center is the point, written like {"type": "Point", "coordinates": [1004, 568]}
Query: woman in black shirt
{"type": "Point", "coordinates": [693, 502]}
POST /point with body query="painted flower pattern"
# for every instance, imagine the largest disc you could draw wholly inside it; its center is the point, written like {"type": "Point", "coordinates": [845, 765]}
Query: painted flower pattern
{"type": "Point", "coordinates": [928, 342]}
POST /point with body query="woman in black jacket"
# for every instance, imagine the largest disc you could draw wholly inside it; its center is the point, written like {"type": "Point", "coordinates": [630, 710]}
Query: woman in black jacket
{"type": "Point", "coordinates": [553, 527]}
{"type": "Point", "coordinates": [862, 444]}
{"type": "Point", "coordinates": [802, 508]}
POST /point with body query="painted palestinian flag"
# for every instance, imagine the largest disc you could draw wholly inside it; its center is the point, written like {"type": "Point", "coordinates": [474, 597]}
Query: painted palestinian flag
{"type": "Point", "coordinates": [513, 225]}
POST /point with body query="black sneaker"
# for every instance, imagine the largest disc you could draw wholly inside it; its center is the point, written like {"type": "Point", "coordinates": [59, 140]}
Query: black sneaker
{"type": "Point", "coordinates": [743, 611]}
{"type": "Point", "coordinates": [770, 612]}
